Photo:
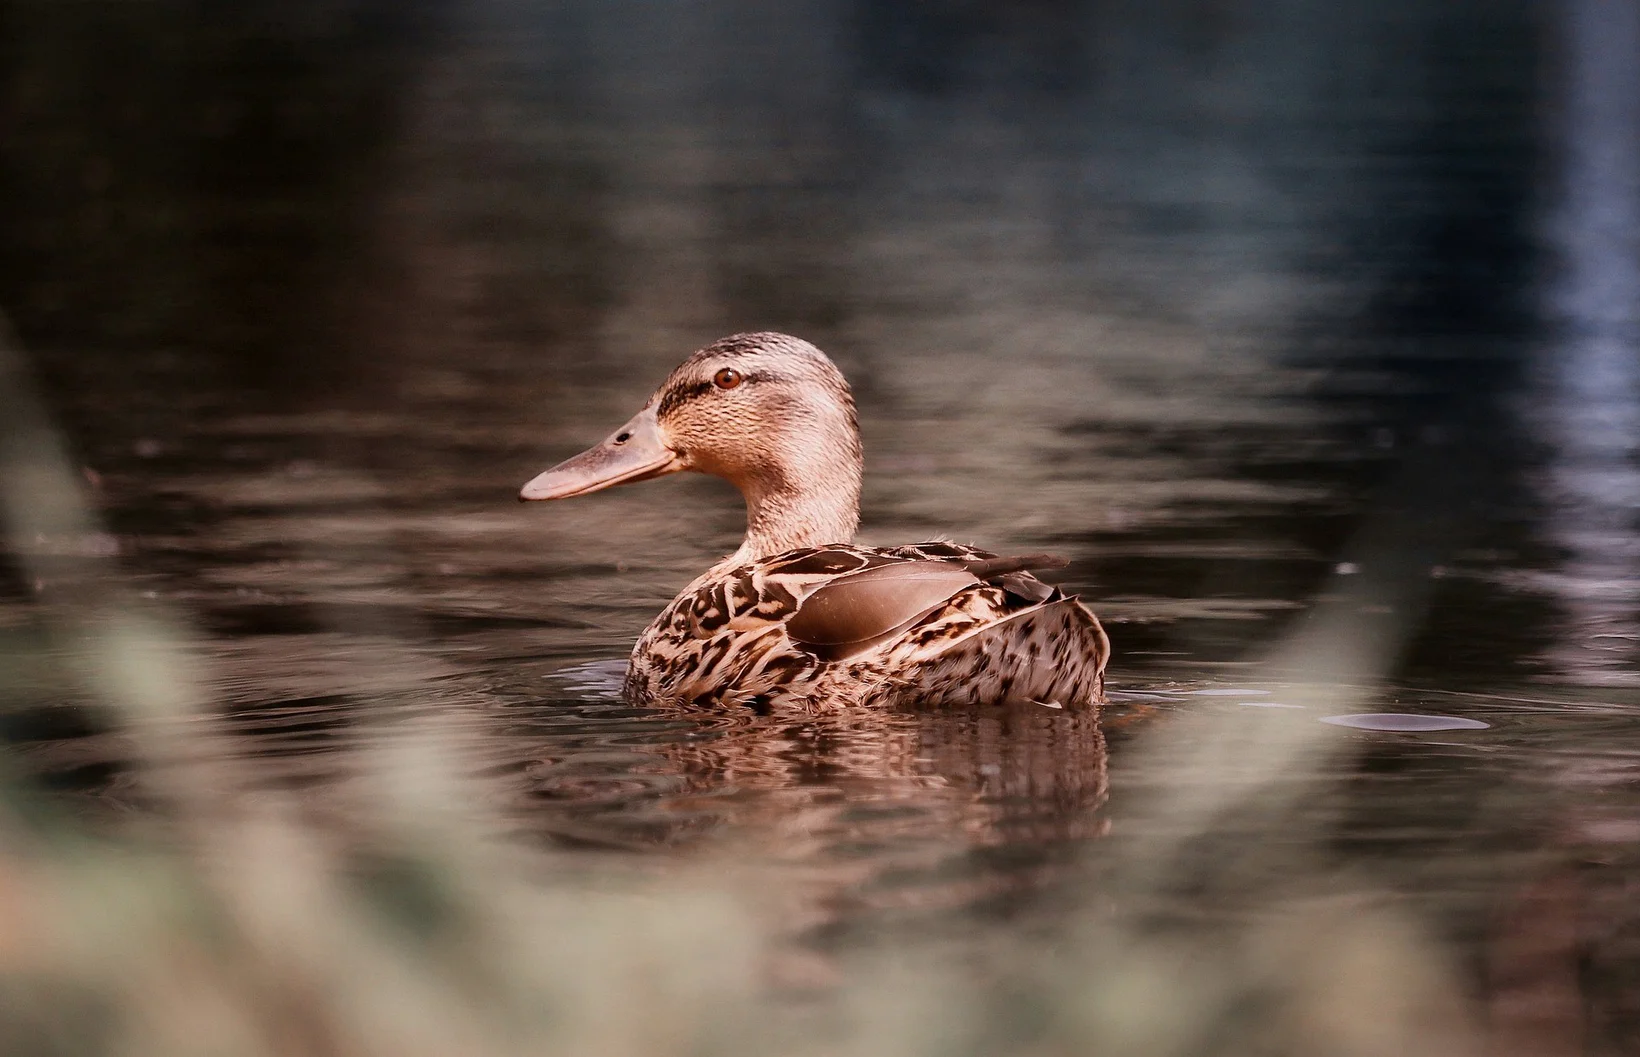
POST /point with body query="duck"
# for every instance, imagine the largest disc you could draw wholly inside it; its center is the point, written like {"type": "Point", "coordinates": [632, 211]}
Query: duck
{"type": "Point", "coordinates": [800, 615]}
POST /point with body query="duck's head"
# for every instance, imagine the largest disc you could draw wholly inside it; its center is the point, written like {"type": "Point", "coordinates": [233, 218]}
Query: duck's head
{"type": "Point", "coordinates": [768, 412]}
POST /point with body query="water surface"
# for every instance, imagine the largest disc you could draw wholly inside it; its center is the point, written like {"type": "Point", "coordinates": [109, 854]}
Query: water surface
{"type": "Point", "coordinates": [1316, 358]}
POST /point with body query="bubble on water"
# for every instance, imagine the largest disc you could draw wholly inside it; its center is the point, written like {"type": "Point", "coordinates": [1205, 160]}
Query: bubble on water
{"type": "Point", "coordinates": [1242, 692]}
{"type": "Point", "coordinates": [1404, 722]}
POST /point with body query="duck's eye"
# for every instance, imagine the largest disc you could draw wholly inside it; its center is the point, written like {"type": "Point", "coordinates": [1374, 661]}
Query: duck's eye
{"type": "Point", "coordinates": [727, 378]}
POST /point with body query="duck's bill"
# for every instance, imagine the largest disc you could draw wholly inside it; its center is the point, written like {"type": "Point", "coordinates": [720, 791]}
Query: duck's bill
{"type": "Point", "coordinates": [635, 452]}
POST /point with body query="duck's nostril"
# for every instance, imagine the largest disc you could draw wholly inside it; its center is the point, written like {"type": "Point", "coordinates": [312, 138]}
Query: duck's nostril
{"type": "Point", "coordinates": [622, 438]}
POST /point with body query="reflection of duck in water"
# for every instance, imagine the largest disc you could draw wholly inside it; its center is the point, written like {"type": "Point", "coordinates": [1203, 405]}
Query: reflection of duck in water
{"type": "Point", "coordinates": [799, 613]}
{"type": "Point", "coordinates": [882, 810]}
{"type": "Point", "coordinates": [913, 785]}
{"type": "Point", "coordinates": [990, 773]}
{"type": "Point", "coordinates": [846, 813]}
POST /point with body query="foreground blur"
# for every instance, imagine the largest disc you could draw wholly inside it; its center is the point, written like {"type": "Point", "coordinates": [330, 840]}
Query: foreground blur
{"type": "Point", "coordinates": [1308, 333]}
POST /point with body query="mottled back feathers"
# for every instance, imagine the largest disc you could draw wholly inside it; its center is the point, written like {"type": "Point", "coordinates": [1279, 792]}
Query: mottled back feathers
{"type": "Point", "coordinates": [842, 626]}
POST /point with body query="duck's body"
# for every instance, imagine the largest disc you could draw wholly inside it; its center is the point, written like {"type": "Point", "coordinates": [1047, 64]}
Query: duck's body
{"type": "Point", "coordinates": [964, 628]}
{"type": "Point", "coordinates": [799, 614]}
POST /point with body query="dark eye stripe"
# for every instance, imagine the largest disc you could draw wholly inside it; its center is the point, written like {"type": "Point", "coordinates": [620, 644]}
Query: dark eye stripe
{"type": "Point", "coordinates": [680, 394]}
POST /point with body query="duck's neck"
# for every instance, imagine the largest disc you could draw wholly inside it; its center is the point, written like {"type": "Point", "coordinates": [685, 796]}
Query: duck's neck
{"type": "Point", "coordinates": [782, 517]}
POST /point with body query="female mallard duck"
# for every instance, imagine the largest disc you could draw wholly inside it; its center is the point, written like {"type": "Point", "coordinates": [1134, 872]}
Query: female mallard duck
{"type": "Point", "coordinates": [799, 612]}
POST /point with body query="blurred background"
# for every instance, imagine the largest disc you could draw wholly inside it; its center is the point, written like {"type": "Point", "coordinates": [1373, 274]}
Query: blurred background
{"type": "Point", "coordinates": [1309, 332]}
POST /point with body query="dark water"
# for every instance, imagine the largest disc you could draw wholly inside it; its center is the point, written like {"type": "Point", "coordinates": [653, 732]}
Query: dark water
{"type": "Point", "coordinates": [1308, 334]}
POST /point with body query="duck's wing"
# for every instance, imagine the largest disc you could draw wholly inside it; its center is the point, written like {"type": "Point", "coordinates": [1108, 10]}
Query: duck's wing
{"type": "Point", "coordinates": [856, 610]}
{"type": "Point", "coordinates": [992, 566]}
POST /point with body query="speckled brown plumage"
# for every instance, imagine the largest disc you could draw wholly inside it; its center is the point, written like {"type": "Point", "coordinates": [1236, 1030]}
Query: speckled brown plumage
{"type": "Point", "coordinates": [1010, 639]}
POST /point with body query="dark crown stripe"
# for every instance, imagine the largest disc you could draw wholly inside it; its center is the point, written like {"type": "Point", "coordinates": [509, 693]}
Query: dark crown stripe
{"type": "Point", "coordinates": [742, 344]}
